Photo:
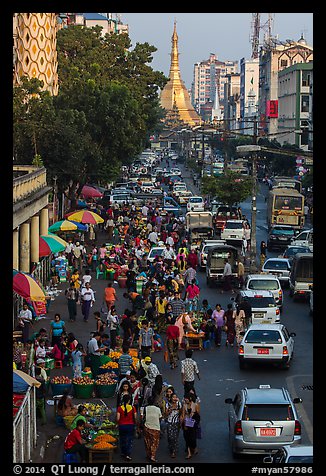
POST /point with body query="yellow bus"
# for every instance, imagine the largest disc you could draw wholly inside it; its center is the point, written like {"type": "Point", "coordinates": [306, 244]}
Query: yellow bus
{"type": "Point", "coordinates": [285, 206]}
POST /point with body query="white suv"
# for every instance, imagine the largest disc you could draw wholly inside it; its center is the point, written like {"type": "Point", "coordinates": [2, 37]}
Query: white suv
{"type": "Point", "coordinates": [264, 309]}
{"type": "Point", "coordinates": [195, 204]}
{"type": "Point", "coordinates": [265, 282]}
{"type": "Point", "coordinates": [233, 231]}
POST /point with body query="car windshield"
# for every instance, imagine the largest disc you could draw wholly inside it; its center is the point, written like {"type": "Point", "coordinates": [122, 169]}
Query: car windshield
{"type": "Point", "coordinates": [301, 459]}
{"type": "Point", "coordinates": [283, 231]}
{"type": "Point", "coordinates": [293, 251]}
{"type": "Point", "coordinates": [196, 200]}
{"type": "Point", "coordinates": [233, 226]}
{"type": "Point", "coordinates": [257, 336]}
{"type": "Point", "coordinates": [263, 412]}
{"type": "Point", "coordinates": [276, 265]}
{"type": "Point", "coordinates": [263, 284]}
{"type": "Point", "coordinates": [261, 302]}
{"type": "Point", "coordinates": [156, 252]}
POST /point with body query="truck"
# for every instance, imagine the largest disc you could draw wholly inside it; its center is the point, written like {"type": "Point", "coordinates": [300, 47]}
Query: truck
{"type": "Point", "coordinates": [199, 227]}
{"type": "Point", "coordinates": [216, 261]}
{"type": "Point", "coordinates": [169, 205]}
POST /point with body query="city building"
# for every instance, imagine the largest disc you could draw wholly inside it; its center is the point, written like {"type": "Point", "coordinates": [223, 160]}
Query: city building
{"type": "Point", "coordinates": [294, 101]}
{"type": "Point", "coordinates": [249, 90]}
{"type": "Point", "coordinates": [174, 96]}
{"type": "Point", "coordinates": [274, 57]}
{"type": "Point", "coordinates": [35, 49]}
{"type": "Point", "coordinates": [232, 101]}
{"type": "Point", "coordinates": [110, 22]}
{"type": "Point", "coordinates": [209, 79]}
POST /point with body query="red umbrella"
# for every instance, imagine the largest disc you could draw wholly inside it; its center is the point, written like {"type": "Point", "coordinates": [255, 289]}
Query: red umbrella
{"type": "Point", "coordinates": [91, 192]}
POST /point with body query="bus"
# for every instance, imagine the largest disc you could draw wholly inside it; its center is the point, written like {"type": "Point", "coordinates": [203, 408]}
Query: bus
{"type": "Point", "coordinates": [287, 182]}
{"type": "Point", "coordinates": [285, 206]}
{"type": "Point", "coordinates": [218, 169]}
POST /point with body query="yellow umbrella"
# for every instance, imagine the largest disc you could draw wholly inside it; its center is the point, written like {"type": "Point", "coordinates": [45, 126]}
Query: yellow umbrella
{"type": "Point", "coordinates": [86, 216]}
{"type": "Point", "coordinates": [31, 381]}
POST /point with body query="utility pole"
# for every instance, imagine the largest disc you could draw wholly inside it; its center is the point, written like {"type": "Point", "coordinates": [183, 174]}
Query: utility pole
{"type": "Point", "coordinates": [253, 242]}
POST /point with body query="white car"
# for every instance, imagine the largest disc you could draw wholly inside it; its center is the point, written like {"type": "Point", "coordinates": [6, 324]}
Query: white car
{"type": "Point", "coordinates": [292, 455]}
{"type": "Point", "coordinates": [147, 186]}
{"type": "Point", "coordinates": [195, 204]}
{"type": "Point", "coordinates": [266, 282]}
{"type": "Point", "coordinates": [279, 267]}
{"type": "Point", "coordinates": [264, 309]}
{"type": "Point", "coordinates": [155, 251]}
{"type": "Point", "coordinates": [267, 343]}
{"type": "Point", "coordinates": [175, 171]}
{"type": "Point", "coordinates": [233, 231]}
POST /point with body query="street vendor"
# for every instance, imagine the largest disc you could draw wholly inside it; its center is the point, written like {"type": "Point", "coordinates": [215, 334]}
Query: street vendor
{"type": "Point", "coordinates": [65, 406]}
{"type": "Point", "coordinates": [81, 415]}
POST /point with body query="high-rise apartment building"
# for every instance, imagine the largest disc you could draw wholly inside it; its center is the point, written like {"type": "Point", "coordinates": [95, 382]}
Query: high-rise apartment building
{"type": "Point", "coordinates": [232, 101]}
{"type": "Point", "coordinates": [209, 78]}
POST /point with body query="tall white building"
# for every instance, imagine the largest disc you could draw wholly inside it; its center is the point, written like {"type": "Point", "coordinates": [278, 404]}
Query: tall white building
{"type": "Point", "coordinates": [249, 90]}
{"type": "Point", "coordinates": [209, 79]}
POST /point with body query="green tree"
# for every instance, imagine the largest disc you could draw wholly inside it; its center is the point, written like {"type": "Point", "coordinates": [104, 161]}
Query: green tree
{"type": "Point", "coordinates": [230, 188]}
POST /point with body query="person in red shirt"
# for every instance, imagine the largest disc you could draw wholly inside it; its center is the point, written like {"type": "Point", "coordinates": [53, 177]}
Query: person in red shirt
{"type": "Point", "coordinates": [74, 442]}
{"type": "Point", "coordinates": [126, 419]}
{"type": "Point", "coordinates": [193, 259]}
{"type": "Point", "coordinates": [172, 339]}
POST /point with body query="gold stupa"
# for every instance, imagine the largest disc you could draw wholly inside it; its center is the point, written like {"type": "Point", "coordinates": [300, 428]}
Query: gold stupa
{"type": "Point", "coordinates": [174, 94]}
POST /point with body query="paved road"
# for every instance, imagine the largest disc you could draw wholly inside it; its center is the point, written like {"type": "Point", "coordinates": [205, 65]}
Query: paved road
{"type": "Point", "coordinates": [220, 373]}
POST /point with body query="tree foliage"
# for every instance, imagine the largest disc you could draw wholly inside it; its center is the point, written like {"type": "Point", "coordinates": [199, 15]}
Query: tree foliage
{"type": "Point", "coordinates": [230, 188]}
{"type": "Point", "coordinates": [106, 109]}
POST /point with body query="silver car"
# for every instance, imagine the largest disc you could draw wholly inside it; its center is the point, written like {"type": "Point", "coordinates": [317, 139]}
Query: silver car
{"type": "Point", "coordinates": [266, 343]}
{"type": "Point", "coordinates": [279, 267]}
{"type": "Point", "coordinates": [262, 420]}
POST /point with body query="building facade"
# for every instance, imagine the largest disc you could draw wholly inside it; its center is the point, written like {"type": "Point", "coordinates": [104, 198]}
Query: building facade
{"type": "Point", "coordinates": [273, 58]}
{"type": "Point", "coordinates": [232, 102]}
{"type": "Point", "coordinates": [208, 80]}
{"type": "Point", "coordinates": [35, 49]}
{"type": "Point", "coordinates": [249, 91]}
{"type": "Point", "coordinates": [295, 104]}
{"type": "Point", "coordinates": [110, 22]}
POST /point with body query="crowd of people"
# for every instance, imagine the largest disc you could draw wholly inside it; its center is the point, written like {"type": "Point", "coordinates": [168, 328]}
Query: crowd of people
{"type": "Point", "coordinates": [162, 305]}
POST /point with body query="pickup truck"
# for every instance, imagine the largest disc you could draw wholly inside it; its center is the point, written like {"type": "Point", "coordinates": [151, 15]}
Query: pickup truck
{"type": "Point", "coordinates": [169, 205]}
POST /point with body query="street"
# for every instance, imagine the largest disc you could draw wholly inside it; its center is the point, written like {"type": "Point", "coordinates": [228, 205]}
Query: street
{"type": "Point", "coordinates": [219, 370]}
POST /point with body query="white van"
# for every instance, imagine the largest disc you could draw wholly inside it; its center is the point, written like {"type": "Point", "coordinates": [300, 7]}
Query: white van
{"type": "Point", "coordinates": [195, 204]}
{"type": "Point", "coordinates": [265, 282]}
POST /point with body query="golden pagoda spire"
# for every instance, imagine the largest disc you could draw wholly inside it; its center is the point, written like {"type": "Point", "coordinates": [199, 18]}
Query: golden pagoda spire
{"type": "Point", "coordinates": [175, 93]}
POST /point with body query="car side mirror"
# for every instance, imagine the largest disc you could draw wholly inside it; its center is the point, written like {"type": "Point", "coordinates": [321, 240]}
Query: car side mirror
{"type": "Point", "coordinates": [228, 400]}
{"type": "Point", "coordinates": [297, 400]}
{"type": "Point", "coordinates": [292, 334]}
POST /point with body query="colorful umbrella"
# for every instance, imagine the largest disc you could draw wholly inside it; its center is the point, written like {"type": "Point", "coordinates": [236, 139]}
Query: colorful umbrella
{"type": "Point", "coordinates": [51, 244]}
{"type": "Point", "coordinates": [67, 225]}
{"type": "Point", "coordinates": [25, 285]}
{"type": "Point", "coordinates": [91, 192]}
{"type": "Point", "coordinates": [86, 216]}
{"type": "Point", "coordinates": [21, 381]}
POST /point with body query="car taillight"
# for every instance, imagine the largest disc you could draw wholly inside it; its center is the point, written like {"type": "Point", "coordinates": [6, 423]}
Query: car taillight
{"type": "Point", "coordinates": [285, 350]}
{"type": "Point", "coordinates": [297, 428]}
{"type": "Point", "coordinates": [241, 349]}
{"type": "Point", "coordinates": [277, 311]}
{"type": "Point", "coordinates": [280, 294]}
{"type": "Point", "coordinates": [238, 428]}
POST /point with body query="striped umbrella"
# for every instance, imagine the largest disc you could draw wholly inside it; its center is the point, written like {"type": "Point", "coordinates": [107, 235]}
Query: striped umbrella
{"type": "Point", "coordinates": [67, 225]}
{"type": "Point", "coordinates": [25, 285]}
{"type": "Point", "coordinates": [51, 244]}
{"type": "Point", "coordinates": [86, 216]}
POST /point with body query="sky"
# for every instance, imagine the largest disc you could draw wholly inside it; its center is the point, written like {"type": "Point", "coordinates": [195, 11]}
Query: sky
{"type": "Point", "coordinates": [227, 35]}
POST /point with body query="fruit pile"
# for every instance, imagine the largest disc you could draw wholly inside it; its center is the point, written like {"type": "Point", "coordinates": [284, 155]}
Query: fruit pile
{"type": "Point", "coordinates": [114, 355]}
{"type": "Point", "coordinates": [83, 381]}
{"type": "Point", "coordinates": [105, 379]}
{"type": "Point", "coordinates": [107, 438]}
{"type": "Point", "coordinates": [103, 445]}
{"type": "Point", "coordinates": [110, 365]}
{"type": "Point", "coordinates": [133, 352]}
{"type": "Point", "coordinates": [61, 379]}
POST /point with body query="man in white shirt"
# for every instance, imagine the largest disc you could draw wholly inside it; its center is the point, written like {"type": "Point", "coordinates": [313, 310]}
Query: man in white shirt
{"type": "Point", "coordinates": [227, 275]}
{"type": "Point", "coordinates": [77, 255]}
{"type": "Point", "coordinates": [168, 254]}
{"type": "Point", "coordinates": [169, 240]}
{"type": "Point", "coordinates": [153, 237]}
{"type": "Point", "coordinates": [87, 300]}
{"type": "Point", "coordinates": [25, 321]}
{"type": "Point", "coordinates": [144, 211]}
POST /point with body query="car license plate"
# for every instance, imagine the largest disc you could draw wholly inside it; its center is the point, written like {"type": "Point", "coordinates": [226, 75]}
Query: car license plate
{"type": "Point", "coordinates": [267, 432]}
{"type": "Point", "coordinates": [258, 315]}
{"type": "Point", "coordinates": [233, 236]}
{"type": "Point", "coordinates": [265, 322]}
{"type": "Point", "coordinates": [262, 351]}
{"type": "Point", "coordinates": [283, 238]}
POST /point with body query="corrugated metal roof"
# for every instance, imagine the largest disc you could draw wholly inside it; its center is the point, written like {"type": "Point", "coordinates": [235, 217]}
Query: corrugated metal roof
{"type": "Point", "coordinates": [94, 16]}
